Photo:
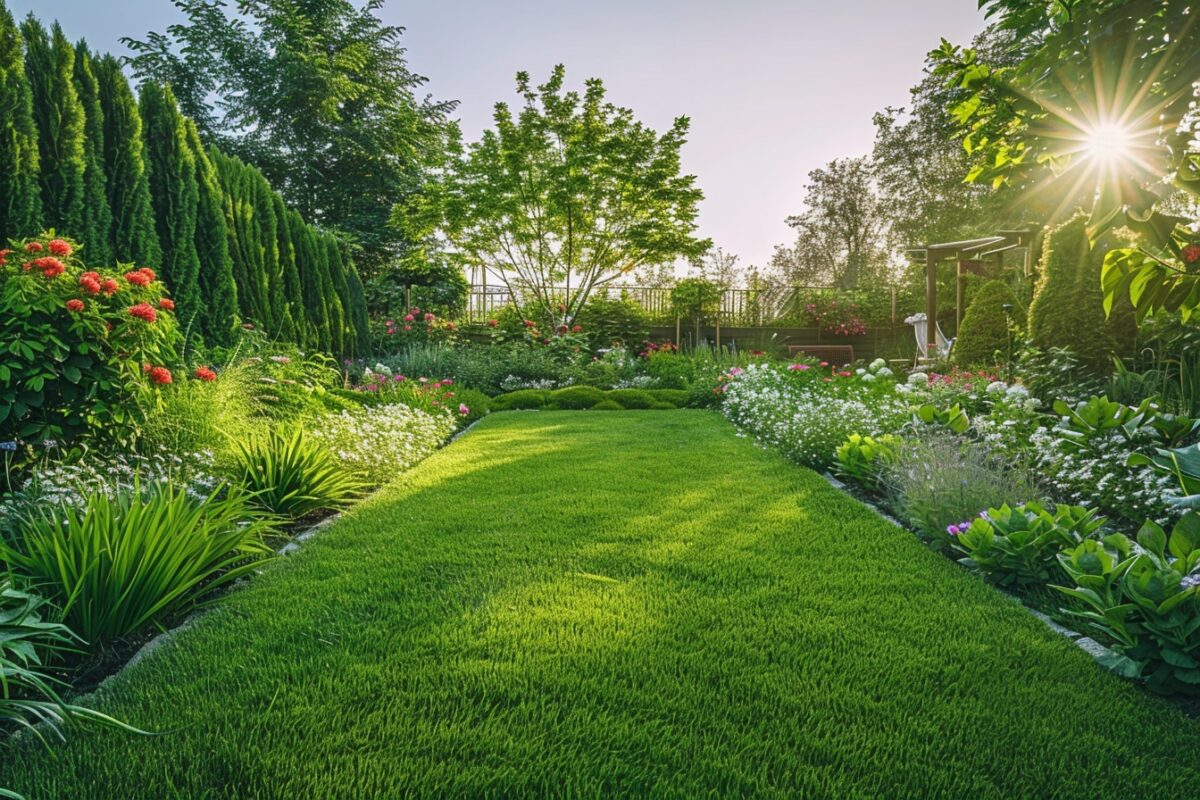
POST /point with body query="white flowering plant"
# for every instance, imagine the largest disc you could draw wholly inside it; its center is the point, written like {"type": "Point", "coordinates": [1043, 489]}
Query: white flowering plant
{"type": "Point", "coordinates": [379, 442]}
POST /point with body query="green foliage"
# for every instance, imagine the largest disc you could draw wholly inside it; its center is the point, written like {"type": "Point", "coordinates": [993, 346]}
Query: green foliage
{"type": "Point", "coordinates": [97, 219]}
{"type": "Point", "coordinates": [1020, 545]}
{"type": "Point", "coordinates": [569, 189]}
{"type": "Point", "coordinates": [987, 330]}
{"type": "Point", "coordinates": [175, 194]}
{"type": "Point", "coordinates": [291, 475]}
{"type": "Point", "coordinates": [1182, 465]}
{"type": "Point", "coordinates": [953, 419]}
{"type": "Point", "coordinates": [676, 397]}
{"type": "Point", "coordinates": [863, 458]}
{"type": "Point", "coordinates": [695, 299]}
{"type": "Point", "coordinates": [218, 311]}
{"type": "Point", "coordinates": [69, 373]}
{"type": "Point", "coordinates": [1067, 310]}
{"type": "Point", "coordinates": [20, 188]}
{"type": "Point", "coordinates": [1145, 601]}
{"type": "Point", "coordinates": [520, 400]}
{"type": "Point", "coordinates": [59, 116]}
{"type": "Point", "coordinates": [574, 397]}
{"type": "Point", "coordinates": [632, 398]}
{"type": "Point", "coordinates": [608, 404]}
{"type": "Point", "coordinates": [118, 565]}
{"type": "Point", "coordinates": [610, 322]}
{"type": "Point", "coordinates": [134, 238]}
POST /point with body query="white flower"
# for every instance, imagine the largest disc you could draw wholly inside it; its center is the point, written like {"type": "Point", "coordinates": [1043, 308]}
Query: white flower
{"type": "Point", "coordinates": [381, 369]}
{"type": "Point", "coordinates": [884, 372]}
{"type": "Point", "coordinates": [877, 365]}
{"type": "Point", "coordinates": [917, 378]}
{"type": "Point", "coordinates": [996, 387]}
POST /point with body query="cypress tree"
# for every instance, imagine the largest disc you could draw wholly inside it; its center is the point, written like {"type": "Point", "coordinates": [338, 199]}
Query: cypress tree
{"type": "Point", "coordinates": [358, 310]}
{"type": "Point", "coordinates": [337, 300]}
{"type": "Point", "coordinates": [219, 311]}
{"type": "Point", "coordinates": [134, 238]}
{"type": "Point", "coordinates": [985, 329]}
{"type": "Point", "coordinates": [50, 65]}
{"type": "Point", "coordinates": [303, 238]}
{"type": "Point", "coordinates": [175, 196]}
{"type": "Point", "coordinates": [266, 230]}
{"type": "Point", "coordinates": [294, 318]}
{"type": "Point", "coordinates": [97, 216]}
{"type": "Point", "coordinates": [20, 189]}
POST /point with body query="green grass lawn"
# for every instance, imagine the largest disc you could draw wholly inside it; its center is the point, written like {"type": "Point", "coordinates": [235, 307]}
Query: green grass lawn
{"type": "Point", "coordinates": [577, 604]}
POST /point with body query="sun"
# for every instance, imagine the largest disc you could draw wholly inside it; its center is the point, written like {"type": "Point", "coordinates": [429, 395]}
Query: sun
{"type": "Point", "coordinates": [1109, 143]}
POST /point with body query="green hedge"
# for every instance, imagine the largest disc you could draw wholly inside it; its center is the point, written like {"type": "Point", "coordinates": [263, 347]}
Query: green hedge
{"type": "Point", "coordinates": [589, 397]}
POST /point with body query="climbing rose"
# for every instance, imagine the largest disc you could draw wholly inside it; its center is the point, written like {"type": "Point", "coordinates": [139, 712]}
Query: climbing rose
{"type": "Point", "coordinates": [143, 311]}
{"type": "Point", "coordinates": [74, 305]}
{"type": "Point", "coordinates": [205, 374]}
{"type": "Point", "coordinates": [1191, 253]}
{"type": "Point", "coordinates": [60, 248]}
{"type": "Point", "coordinates": [160, 374]}
{"type": "Point", "coordinates": [166, 304]}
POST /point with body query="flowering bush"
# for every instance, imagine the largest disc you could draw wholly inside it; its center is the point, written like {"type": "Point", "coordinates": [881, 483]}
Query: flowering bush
{"type": "Point", "coordinates": [381, 441]}
{"type": "Point", "coordinates": [83, 352]}
{"type": "Point", "coordinates": [383, 386]}
{"type": "Point", "coordinates": [808, 413]}
{"type": "Point", "coordinates": [414, 325]}
{"type": "Point", "coordinates": [834, 316]}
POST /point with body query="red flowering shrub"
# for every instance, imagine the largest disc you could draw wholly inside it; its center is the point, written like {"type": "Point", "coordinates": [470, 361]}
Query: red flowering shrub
{"type": "Point", "coordinates": [73, 347]}
{"type": "Point", "coordinates": [166, 304]}
{"type": "Point", "coordinates": [204, 374]}
{"type": "Point", "coordinates": [389, 336]}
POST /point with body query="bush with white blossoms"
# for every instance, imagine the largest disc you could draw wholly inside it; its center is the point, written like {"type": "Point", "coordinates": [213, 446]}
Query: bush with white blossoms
{"type": "Point", "coordinates": [382, 441]}
{"type": "Point", "coordinates": [807, 417]}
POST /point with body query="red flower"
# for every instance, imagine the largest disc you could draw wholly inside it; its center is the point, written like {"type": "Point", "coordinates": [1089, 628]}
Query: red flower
{"type": "Point", "coordinates": [409, 317]}
{"type": "Point", "coordinates": [561, 329]}
{"type": "Point", "coordinates": [4, 254]}
{"type": "Point", "coordinates": [137, 278]}
{"type": "Point", "coordinates": [149, 273]}
{"type": "Point", "coordinates": [160, 374]}
{"type": "Point", "coordinates": [1191, 253]}
{"type": "Point", "coordinates": [143, 311]}
{"type": "Point", "coordinates": [34, 247]}
{"type": "Point", "coordinates": [166, 304]}
{"type": "Point", "coordinates": [110, 286]}
{"type": "Point", "coordinates": [74, 305]}
{"type": "Point", "coordinates": [528, 323]}
{"type": "Point", "coordinates": [50, 266]}
{"type": "Point", "coordinates": [429, 317]}
{"type": "Point", "coordinates": [577, 329]}
{"type": "Point", "coordinates": [493, 323]}
{"type": "Point", "coordinates": [450, 326]}
{"type": "Point", "coordinates": [205, 374]}
{"type": "Point", "coordinates": [408, 327]}
{"type": "Point", "coordinates": [60, 248]}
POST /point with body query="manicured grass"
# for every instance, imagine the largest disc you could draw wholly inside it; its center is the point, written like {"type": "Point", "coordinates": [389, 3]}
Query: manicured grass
{"type": "Point", "coordinates": [622, 604]}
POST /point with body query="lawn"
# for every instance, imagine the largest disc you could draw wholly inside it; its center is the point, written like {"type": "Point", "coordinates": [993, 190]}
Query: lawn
{"type": "Point", "coordinates": [623, 603]}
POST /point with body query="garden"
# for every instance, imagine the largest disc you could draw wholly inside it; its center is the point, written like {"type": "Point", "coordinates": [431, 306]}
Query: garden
{"type": "Point", "coordinates": [292, 506]}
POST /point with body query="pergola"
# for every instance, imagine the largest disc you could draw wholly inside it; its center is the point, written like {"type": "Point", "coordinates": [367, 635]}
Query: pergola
{"type": "Point", "coordinates": [964, 254]}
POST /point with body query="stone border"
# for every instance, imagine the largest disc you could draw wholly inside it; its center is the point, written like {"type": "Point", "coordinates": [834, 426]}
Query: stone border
{"type": "Point", "coordinates": [1085, 643]}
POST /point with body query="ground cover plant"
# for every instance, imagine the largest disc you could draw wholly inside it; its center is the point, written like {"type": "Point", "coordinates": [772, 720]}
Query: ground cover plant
{"type": "Point", "coordinates": [595, 646]}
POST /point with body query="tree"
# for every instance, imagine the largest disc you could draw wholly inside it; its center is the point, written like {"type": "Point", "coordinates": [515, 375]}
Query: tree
{"type": "Point", "coordinates": [97, 216]}
{"type": "Point", "coordinates": [219, 310]}
{"type": "Point", "coordinates": [1101, 100]}
{"type": "Point", "coordinates": [175, 196]}
{"type": "Point", "coordinates": [841, 236]}
{"type": "Point", "coordinates": [988, 326]}
{"type": "Point", "coordinates": [133, 237]}
{"type": "Point", "coordinates": [59, 116]}
{"type": "Point", "coordinates": [719, 267]}
{"type": "Point", "coordinates": [563, 196]}
{"type": "Point", "coordinates": [316, 94]}
{"type": "Point", "coordinates": [20, 189]}
{"type": "Point", "coordinates": [1067, 310]}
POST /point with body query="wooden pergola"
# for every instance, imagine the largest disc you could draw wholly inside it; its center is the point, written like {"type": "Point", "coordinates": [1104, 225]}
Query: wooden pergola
{"type": "Point", "coordinates": [965, 254]}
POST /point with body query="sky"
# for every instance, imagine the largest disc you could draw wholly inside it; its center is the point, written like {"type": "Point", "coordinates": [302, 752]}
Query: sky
{"type": "Point", "coordinates": [774, 88]}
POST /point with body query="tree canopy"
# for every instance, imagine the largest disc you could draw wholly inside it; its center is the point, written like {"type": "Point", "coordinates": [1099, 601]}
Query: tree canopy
{"type": "Point", "coordinates": [565, 194]}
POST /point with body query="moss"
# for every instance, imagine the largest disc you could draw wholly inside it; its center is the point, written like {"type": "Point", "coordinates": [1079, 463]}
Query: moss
{"type": "Point", "coordinates": [985, 330]}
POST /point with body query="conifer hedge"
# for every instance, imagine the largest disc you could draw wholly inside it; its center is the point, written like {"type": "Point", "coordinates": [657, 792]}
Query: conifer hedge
{"type": "Point", "coordinates": [129, 177]}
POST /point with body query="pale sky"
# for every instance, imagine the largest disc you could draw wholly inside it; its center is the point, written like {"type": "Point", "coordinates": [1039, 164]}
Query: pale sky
{"type": "Point", "coordinates": [773, 88]}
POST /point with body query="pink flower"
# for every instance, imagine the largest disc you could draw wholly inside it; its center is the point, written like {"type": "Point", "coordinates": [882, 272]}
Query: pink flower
{"type": "Point", "coordinates": [409, 317]}
{"type": "Point", "coordinates": [736, 371]}
{"type": "Point", "coordinates": [462, 409]}
{"type": "Point", "coordinates": [429, 317]}
{"type": "Point", "coordinates": [798, 367]}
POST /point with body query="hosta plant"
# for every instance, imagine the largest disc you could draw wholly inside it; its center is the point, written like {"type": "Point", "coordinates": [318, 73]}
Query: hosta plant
{"type": "Point", "coordinates": [290, 474]}
{"type": "Point", "coordinates": [119, 564]}
{"type": "Point", "coordinates": [1144, 599]}
{"type": "Point", "coordinates": [1020, 545]}
{"type": "Point", "coordinates": [862, 458]}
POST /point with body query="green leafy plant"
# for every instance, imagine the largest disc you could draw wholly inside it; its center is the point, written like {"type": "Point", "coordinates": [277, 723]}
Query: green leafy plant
{"type": "Point", "coordinates": [1097, 416]}
{"type": "Point", "coordinates": [1145, 600]}
{"type": "Point", "coordinates": [954, 418]}
{"type": "Point", "coordinates": [1020, 546]}
{"type": "Point", "coordinates": [862, 458]}
{"type": "Point", "coordinates": [290, 475]}
{"type": "Point", "coordinates": [575, 397]}
{"type": "Point", "coordinates": [1180, 463]}
{"type": "Point", "coordinates": [118, 564]}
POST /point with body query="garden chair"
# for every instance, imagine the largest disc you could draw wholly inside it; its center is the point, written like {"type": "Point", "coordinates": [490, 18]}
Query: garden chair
{"type": "Point", "coordinates": [921, 328]}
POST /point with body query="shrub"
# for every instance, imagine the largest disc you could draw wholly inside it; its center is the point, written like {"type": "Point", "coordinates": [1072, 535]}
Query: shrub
{"type": "Point", "coordinates": [206, 415]}
{"type": "Point", "coordinates": [478, 405]}
{"type": "Point", "coordinates": [1020, 546]}
{"type": "Point", "coordinates": [119, 564]}
{"type": "Point", "coordinates": [631, 398]}
{"type": "Point", "coordinates": [608, 405]}
{"type": "Point", "coordinates": [574, 397]}
{"type": "Point", "coordinates": [84, 353]}
{"type": "Point", "coordinates": [941, 480]}
{"type": "Point", "coordinates": [613, 322]}
{"type": "Point", "coordinates": [986, 334]}
{"type": "Point", "coordinates": [521, 399]}
{"type": "Point", "coordinates": [675, 397]}
{"type": "Point", "coordinates": [380, 442]}
{"type": "Point", "coordinates": [291, 475]}
{"type": "Point", "coordinates": [862, 458]}
{"type": "Point", "coordinates": [1068, 308]}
